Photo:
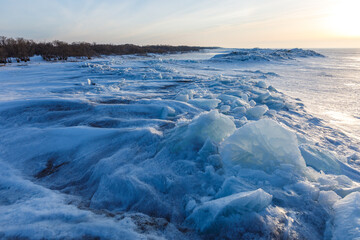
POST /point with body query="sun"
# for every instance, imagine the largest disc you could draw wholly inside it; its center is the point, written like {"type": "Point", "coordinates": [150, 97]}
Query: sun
{"type": "Point", "coordinates": [344, 18]}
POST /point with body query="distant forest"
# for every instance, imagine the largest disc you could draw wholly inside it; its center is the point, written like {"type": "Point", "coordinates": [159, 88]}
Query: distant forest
{"type": "Point", "coordinates": [22, 49]}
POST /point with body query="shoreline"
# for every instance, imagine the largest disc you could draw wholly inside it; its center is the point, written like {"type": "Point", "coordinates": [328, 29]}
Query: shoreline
{"type": "Point", "coordinates": [21, 50]}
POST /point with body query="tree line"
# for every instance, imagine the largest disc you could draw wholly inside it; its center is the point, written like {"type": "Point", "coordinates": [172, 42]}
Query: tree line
{"type": "Point", "coordinates": [21, 49]}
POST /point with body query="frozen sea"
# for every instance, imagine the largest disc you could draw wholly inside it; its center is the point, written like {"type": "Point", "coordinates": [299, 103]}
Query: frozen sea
{"type": "Point", "coordinates": [217, 144]}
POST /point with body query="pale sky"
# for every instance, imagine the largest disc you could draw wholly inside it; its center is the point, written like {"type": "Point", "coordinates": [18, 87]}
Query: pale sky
{"type": "Point", "coordinates": [225, 23]}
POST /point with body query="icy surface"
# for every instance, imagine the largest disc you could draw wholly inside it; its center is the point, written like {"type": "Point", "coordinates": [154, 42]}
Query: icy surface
{"type": "Point", "coordinates": [184, 146]}
{"type": "Point", "coordinates": [212, 215]}
{"type": "Point", "coordinates": [264, 145]}
{"type": "Point", "coordinates": [257, 54]}
{"type": "Point", "coordinates": [347, 217]}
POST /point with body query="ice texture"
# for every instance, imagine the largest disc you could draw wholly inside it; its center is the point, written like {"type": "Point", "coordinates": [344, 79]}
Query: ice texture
{"type": "Point", "coordinates": [206, 104]}
{"type": "Point", "coordinates": [257, 54]}
{"type": "Point", "coordinates": [212, 215]}
{"type": "Point", "coordinates": [256, 112]}
{"type": "Point", "coordinates": [261, 84]}
{"type": "Point", "coordinates": [320, 160]}
{"type": "Point", "coordinates": [31, 211]}
{"type": "Point", "coordinates": [180, 146]}
{"type": "Point", "coordinates": [263, 144]}
{"type": "Point", "coordinates": [225, 108]}
{"type": "Point", "coordinates": [347, 217]}
{"type": "Point", "coordinates": [212, 126]}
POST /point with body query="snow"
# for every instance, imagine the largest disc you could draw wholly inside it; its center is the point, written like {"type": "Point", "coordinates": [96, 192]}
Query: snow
{"type": "Point", "coordinates": [181, 146]}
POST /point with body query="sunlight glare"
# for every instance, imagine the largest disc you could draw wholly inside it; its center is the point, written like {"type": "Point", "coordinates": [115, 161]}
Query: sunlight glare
{"type": "Point", "coordinates": [344, 19]}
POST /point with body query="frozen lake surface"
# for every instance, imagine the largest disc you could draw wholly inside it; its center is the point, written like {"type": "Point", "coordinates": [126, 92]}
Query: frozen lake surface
{"type": "Point", "coordinates": [329, 87]}
{"type": "Point", "coordinates": [223, 143]}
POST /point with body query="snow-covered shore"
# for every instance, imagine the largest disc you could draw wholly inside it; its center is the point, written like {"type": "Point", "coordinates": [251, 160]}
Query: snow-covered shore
{"type": "Point", "coordinates": [177, 147]}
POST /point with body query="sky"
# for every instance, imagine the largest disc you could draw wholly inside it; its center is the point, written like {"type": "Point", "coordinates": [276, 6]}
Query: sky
{"type": "Point", "coordinates": [225, 23]}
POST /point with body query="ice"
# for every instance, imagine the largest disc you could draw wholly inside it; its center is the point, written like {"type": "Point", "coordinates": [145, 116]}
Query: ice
{"type": "Point", "coordinates": [228, 98]}
{"type": "Point", "coordinates": [256, 112]}
{"type": "Point", "coordinates": [252, 103]}
{"type": "Point", "coordinates": [90, 82]}
{"type": "Point", "coordinates": [190, 206]}
{"type": "Point", "coordinates": [182, 97]}
{"type": "Point", "coordinates": [320, 159]}
{"type": "Point", "coordinates": [189, 92]}
{"type": "Point", "coordinates": [265, 55]}
{"type": "Point", "coordinates": [264, 97]}
{"type": "Point", "coordinates": [340, 184]}
{"type": "Point", "coordinates": [208, 148]}
{"type": "Point", "coordinates": [241, 103]}
{"type": "Point", "coordinates": [225, 108]}
{"type": "Point", "coordinates": [232, 185]}
{"type": "Point", "coordinates": [215, 161]}
{"type": "Point", "coordinates": [212, 125]}
{"type": "Point", "coordinates": [261, 84]}
{"type": "Point", "coordinates": [167, 112]}
{"type": "Point", "coordinates": [206, 104]}
{"type": "Point", "coordinates": [347, 217]}
{"type": "Point", "coordinates": [180, 146]}
{"type": "Point", "coordinates": [272, 89]}
{"type": "Point", "coordinates": [32, 211]}
{"type": "Point", "coordinates": [209, 126]}
{"type": "Point", "coordinates": [328, 198]}
{"type": "Point", "coordinates": [240, 110]}
{"type": "Point", "coordinates": [271, 112]}
{"type": "Point", "coordinates": [245, 97]}
{"type": "Point", "coordinates": [116, 192]}
{"type": "Point", "coordinates": [212, 215]}
{"type": "Point", "coordinates": [263, 144]}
